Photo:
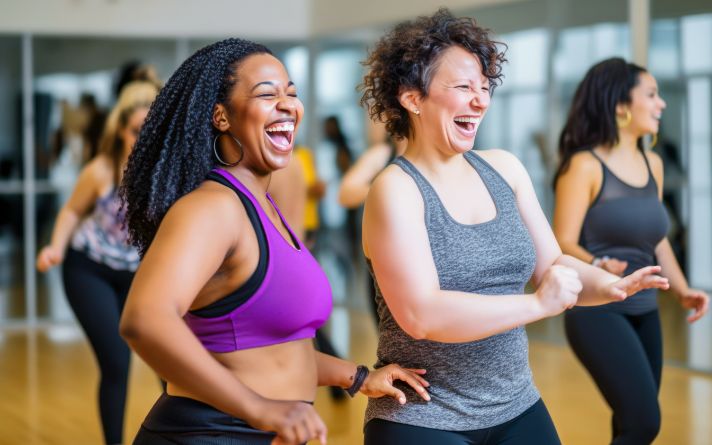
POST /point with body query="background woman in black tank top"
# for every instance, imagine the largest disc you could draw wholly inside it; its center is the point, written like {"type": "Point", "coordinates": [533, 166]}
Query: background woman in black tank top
{"type": "Point", "coordinates": [609, 213]}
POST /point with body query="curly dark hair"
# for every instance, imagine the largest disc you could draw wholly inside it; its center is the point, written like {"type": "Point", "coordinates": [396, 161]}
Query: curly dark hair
{"type": "Point", "coordinates": [408, 56]}
{"type": "Point", "coordinates": [592, 118]}
{"type": "Point", "coordinates": [174, 153]}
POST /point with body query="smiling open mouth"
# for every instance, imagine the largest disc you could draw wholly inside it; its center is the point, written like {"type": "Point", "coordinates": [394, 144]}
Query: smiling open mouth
{"type": "Point", "coordinates": [467, 123]}
{"type": "Point", "coordinates": [281, 134]}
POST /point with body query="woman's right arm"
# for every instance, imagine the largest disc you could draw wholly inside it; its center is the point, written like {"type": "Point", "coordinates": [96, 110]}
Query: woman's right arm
{"type": "Point", "coordinates": [188, 249]}
{"type": "Point", "coordinates": [91, 179]}
{"type": "Point", "coordinates": [356, 182]}
{"type": "Point", "coordinates": [575, 190]}
{"type": "Point", "coordinates": [396, 241]}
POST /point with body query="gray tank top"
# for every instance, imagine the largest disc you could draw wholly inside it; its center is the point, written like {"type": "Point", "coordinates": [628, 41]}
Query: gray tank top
{"type": "Point", "coordinates": [476, 384]}
{"type": "Point", "coordinates": [626, 223]}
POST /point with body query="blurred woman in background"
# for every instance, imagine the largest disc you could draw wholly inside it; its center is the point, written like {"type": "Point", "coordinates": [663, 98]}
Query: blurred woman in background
{"type": "Point", "coordinates": [91, 242]}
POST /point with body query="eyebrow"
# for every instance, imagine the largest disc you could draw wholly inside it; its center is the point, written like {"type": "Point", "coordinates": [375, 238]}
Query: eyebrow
{"type": "Point", "coordinates": [269, 83]}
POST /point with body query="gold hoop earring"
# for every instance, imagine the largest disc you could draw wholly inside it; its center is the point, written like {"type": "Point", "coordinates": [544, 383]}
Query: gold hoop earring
{"type": "Point", "coordinates": [653, 140]}
{"type": "Point", "coordinates": [217, 156]}
{"type": "Point", "coordinates": [627, 121]}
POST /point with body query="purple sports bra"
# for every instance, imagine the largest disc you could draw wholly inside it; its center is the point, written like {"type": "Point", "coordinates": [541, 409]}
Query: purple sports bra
{"type": "Point", "coordinates": [288, 301]}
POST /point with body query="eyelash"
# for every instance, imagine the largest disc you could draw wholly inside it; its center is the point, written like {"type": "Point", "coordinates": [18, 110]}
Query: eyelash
{"type": "Point", "coordinates": [467, 87]}
{"type": "Point", "coordinates": [272, 95]}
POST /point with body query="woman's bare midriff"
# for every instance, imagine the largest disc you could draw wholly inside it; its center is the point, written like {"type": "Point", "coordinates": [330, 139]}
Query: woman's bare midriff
{"type": "Point", "coordinates": [285, 371]}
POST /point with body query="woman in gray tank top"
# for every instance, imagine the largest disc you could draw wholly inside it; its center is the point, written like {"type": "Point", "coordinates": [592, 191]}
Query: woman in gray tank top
{"type": "Point", "coordinates": [452, 237]}
{"type": "Point", "coordinates": [609, 213]}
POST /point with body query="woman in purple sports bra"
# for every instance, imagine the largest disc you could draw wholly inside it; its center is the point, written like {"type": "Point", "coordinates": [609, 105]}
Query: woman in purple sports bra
{"type": "Point", "coordinates": [227, 300]}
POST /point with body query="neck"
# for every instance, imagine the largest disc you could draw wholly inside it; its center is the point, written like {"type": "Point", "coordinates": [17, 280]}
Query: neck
{"type": "Point", "coordinates": [429, 157]}
{"type": "Point", "coordinates": [627, 141]}
{"type": "Point", "coordinates": [257, 183]}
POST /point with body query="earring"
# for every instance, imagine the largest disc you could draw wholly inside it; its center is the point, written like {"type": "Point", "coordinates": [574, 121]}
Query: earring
{"type": "Point", "coordinates": [624, 123]}
{"type": "Point", "coordinates": [653, 140]}
{"type": "Point", "coordinates": [217, 156]}
{"type": "Point", "coordinates": [416, 111]}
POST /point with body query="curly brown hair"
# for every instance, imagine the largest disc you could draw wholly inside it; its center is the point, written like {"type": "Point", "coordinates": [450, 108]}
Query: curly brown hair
{"type": "Point", "coordinates": [408, 56]}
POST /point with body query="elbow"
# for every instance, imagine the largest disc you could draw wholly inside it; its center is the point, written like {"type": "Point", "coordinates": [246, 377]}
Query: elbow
{"type": "Point", "coordinates": [344, 199]}
{"type": "Point", "coordinates": [568, 247]}
{"type": "Point", "coordinates": [414, 325]}
{"type": "Point", "coordinates": [132, 327]}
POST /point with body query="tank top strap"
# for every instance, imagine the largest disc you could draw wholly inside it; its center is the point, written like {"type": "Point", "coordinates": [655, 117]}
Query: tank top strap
{"type": "Point", "coordinates": [499, 189]}
{"type": "Point", "coordinates": [295, 241]}
{"type": "Point", "coordinates": [423, 184]}
{"type": "Point", "coordinates": [593, 152]}
{"type": "Point", "coordinates": [606, 171]}
{"type": "Point", "coordinates": [236, 185]}
{"type": "Point", "coordinates": [434, 211]}
{"type": "Point", "coordinates": [492, 179]}
{"type": "Point", "coordinates": [647, 163]}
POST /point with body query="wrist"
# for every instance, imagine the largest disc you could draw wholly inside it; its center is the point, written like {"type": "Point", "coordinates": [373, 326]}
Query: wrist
{"type": "Point", "coordinates": [358, 379]}
{"type": "Point", "coordinates": [680, 293]}
{"type": "Point", "coordinates": [599, 261]}
{"type": "Point", "coordinates": [535, 309]}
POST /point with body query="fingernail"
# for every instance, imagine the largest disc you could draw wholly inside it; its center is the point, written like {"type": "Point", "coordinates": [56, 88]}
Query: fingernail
{"type": "Point", "coordinates": [401, 400]}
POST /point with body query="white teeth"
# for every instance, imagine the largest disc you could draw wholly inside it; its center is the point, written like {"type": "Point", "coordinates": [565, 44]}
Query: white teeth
{"type": "Point", "coordinates": [468, 120]}
{"type": "Point", "coordinates": [281, 127]}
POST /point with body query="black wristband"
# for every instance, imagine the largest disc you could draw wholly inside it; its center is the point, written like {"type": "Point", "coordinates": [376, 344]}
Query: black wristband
{"type": "Point", "coordinates": [359, 378]}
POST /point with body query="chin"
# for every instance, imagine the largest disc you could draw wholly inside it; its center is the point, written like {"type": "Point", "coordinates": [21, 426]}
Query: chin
{"type": "Point", "coordinates": [278, 163]}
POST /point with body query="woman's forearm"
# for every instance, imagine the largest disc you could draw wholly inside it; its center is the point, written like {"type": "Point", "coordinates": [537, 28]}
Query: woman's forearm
{"type": "Point", "coordinates": [594, 280]}
{"type": "Point", "coordinates": [333, 371]}
{"type": "Point", "coordinates": [456, 317]}
{"type": "Point", "coordinates": [352, 194]}
{"type": "Point", "coordinates": [575, 250]}
{"type": "Point", "coordinates": [65, 224]}
{"type": "Point", "coordinates": [671, 268]}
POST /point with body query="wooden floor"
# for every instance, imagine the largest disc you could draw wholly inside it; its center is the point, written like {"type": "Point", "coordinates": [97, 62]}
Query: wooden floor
{"type": "Point", "coordinates": [48, 379]}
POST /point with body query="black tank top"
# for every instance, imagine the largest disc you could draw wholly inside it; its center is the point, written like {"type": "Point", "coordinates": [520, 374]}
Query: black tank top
{"type": "Point", "coordinates": [626, 223]}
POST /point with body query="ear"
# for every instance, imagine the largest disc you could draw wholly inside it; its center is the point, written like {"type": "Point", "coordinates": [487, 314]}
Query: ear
{"type": "Point", "coordinates": [622, 109]}
{"type": "Point", "coordinates": [219, 119]}
{"type": "Point", "coordinates": [410, 100]}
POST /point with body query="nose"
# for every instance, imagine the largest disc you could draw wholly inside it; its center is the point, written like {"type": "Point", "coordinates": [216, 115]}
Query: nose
{"type": "Point", "coordinates": [288, 103]}
{"type": "Point", "coordinates": [480, 100]}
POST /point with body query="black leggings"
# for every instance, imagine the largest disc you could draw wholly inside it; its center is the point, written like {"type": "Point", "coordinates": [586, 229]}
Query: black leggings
{"type": "Point", "coordinates": [97, 294]}
{"type": "Point", "coordinates": [533, 426]}
{"type": "Point", "coordinates": [175, 420]}
{"type": "Point", "coordinates": [623, 354]}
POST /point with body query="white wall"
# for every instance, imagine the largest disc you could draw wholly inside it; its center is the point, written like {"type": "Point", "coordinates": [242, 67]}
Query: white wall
{"type": "Point", "coordinates": [265, 19]}
{"type": "Point", "coordinates": [330, 16]}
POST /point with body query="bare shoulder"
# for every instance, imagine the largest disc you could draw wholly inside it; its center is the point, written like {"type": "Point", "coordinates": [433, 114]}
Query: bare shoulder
{"type": "Point", "coordinates": [97, 175]}
{"type": "Point", "coordinates": [500, 159]}
{"type": "Point", "coordinates": [584, 162]}
{"type": "Point", "coordinates": [211, 208]}
{"type": "Point", "coordinates": [394, 193]}
{"type": "Point", "coordinates": [506, 164]}
{"type": "Point", "coordinates": [392, 183]}
{"type": "Point", "coordinates": [99, 168]}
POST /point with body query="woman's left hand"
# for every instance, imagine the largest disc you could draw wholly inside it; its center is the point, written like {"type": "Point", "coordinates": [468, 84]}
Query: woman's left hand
{"type": "Point", "coordinates": [379, 382]}
{"type": "Point", "coordinates": [643, 278]}
{"type": "Point", "coordinates": [697, 300]}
